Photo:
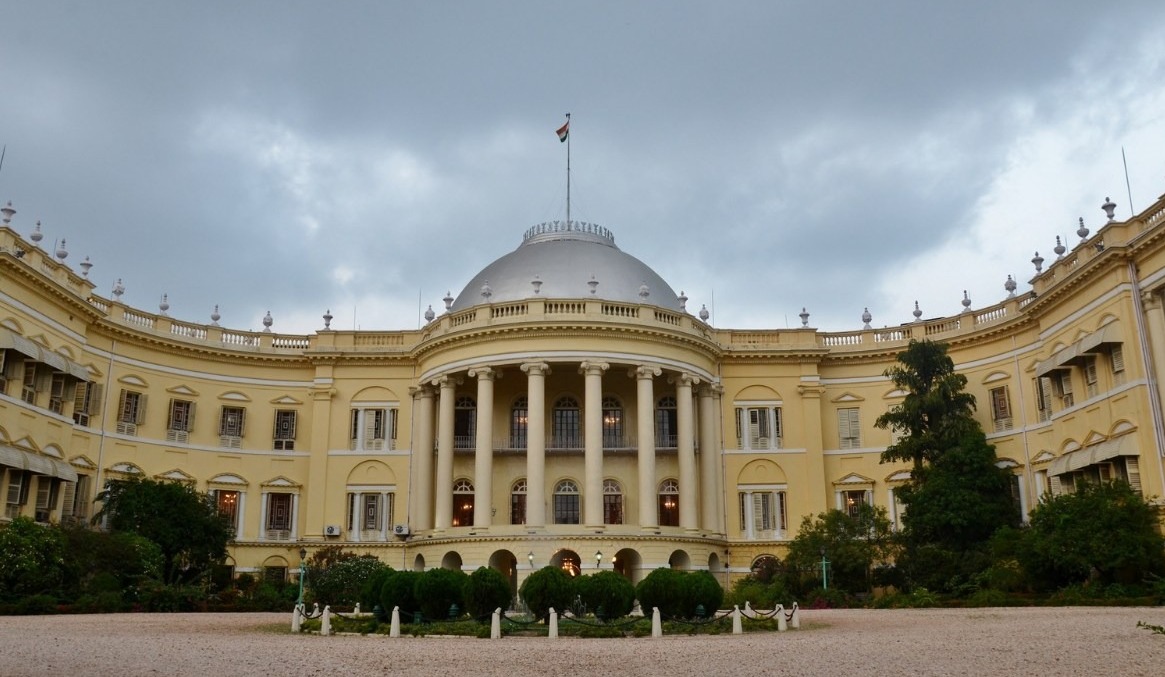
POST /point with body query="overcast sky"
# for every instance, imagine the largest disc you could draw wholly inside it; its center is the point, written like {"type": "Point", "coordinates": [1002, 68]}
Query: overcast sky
{"type": "Point", "coordinates": [760, 156]}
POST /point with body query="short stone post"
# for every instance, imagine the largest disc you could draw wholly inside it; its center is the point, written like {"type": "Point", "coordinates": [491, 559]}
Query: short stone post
{"type": "Point", "coordinates": [326, 623]}
{"type": "Point", "coordinates": [553, 624]}
{"type": "Point", "coordinates": [357, 610]}
{"type": "Point", "coordinates": [736, 626]}
{"type": "Point", "coordinates": [656, 625]}
{"type": "Point", "coordinates": [495, 626]}
{"type": "Point", "coordinates": [795, 620]}
{"type": "Point", "coordinates": [782, 625]}
{"type": "Point", "coordinates": [394, 628]}
{"type": "Point", "coordinates": [748, 607]}
{"type": "Point", "coordinates": [295, 619]}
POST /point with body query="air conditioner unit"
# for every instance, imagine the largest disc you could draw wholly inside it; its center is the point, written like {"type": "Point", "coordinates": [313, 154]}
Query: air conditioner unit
{"type": "Point", "coordinates": [331, 530]}
{"type": "Point", "coordinates": [400, 529]}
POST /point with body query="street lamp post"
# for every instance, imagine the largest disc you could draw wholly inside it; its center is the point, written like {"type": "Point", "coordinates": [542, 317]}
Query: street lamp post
{"type": "Point", "coordinates": [598, 559]}
{"type": "Point", "coordinates": [302, 575]}
{"type": "Point", "coordinates": [824, 571]}
{"type": "Point", "coordinates": [530, 558]}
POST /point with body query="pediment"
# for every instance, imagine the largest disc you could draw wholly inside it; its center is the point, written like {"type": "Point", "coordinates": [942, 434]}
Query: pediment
{"type": "Point", "coordinates": [900, 476]}
{"type": "Point", "coordinates": [25, 443]}
{"type": "Point", "coordinates": [175, 475]}
{"type": "Point", "coordinates": [234, 396]}
{"type": "Point", "coordinates": [11, 323]}
{"type": "Point", "coordinates": [1070, 445]}
{"type": "Point", "coordinates": [894, 394]}
{"type": "Point", "coordinates": [1043, 457]}
{"type": "Point", "coordinates": [54, 451]}
{"type": "Point", "coordinates": [996, 376]}
{"type": "Point", "coordinates": [854, 478]}
{"type": "Point", "coordinates": [132, 380]}
{"type": "Point", "coordinates": [83, 462]}
{"type": "Point", "coordinates": [1094, 438]}
{"type": "Point", "coordinates": [1006, 463]}
{"type": "Point", "coordinates": [182, 390]}
{"type": "Point", "coordinates": [280, 481]}
{"type": "Point", "coordinates": [285, 400]}
{"type": "Point", "coordinates": [125, 468]}
{"type": "Point", "coordinates": [848, 397]}
{"type": "Point", "coordinates": [228, 478]}
{"type": "Point", "coordinates": [1121, 427]}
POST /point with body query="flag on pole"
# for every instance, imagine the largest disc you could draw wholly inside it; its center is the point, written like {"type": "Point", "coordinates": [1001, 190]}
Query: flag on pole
{"type": "Point", "coordinates": [564, 130]}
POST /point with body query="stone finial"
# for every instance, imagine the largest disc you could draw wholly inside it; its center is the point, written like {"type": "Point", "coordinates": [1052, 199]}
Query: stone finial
{"type": "Point", "coordinates": [536, 283]}
{"type": "Point", "coordinates": [1038, 262]}
{"type": "Point", "coordinates": [866, 319]}
{"type": "Point", "coordinates": [486, 291]}
{"type": "Point", "coordinates": [165, 304]}
{"type": "Point", "coordinates": [966, 301]}
{"type": "Point", "coordinates": [429, 314]}
{"type": "Point", "coordinates": [61, 252]}
{"type": "Point", "coordinates": [704, 314]}
{"type": "Point", "coordinates": [917, 312]}
{"type": "Point", "coordinates": [8, 213]}
{"type": "Point", "coordinates": [593, 284]}
{"type": "Point", "coordinates": [1059, 248]}
{"type": "Point", "coordinates": [86, 265]}
{"type": "Point", "coordinates": [328, 318]}
{"type": "Point", "coordinates": [36, 235]}
{"type": "Point", "coordinates": [215, 316]}
{"type": "Point", "coordinates": [1109, 208]}
{"type": "Point", "coordinates": [448, 301]}
{"type": "Point", "coordinates": [644, 292]}
{"type": "Point", "coordinates": [268, 321]}
{"type": "Point", "coordinates": [1010, 287]}
{"type": "Point", "coordinates": [118, 289]}
{"type": "Point", "coordinates": [683, 299]}
{"type": "Point", "coordinates": [1082, 231]}
{"type": "Point", "coordinates": [804, 315]}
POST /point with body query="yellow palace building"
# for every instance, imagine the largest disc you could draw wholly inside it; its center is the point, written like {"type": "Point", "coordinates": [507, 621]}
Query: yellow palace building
{"type": "Point", "coordinates": [567, 408]}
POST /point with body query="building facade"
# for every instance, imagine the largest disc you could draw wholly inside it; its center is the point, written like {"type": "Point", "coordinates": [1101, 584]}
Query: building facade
{"type": "Point", "coordinates": [566, 409]}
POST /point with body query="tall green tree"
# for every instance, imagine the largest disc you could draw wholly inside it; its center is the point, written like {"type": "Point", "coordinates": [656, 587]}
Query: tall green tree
{"type": "Point", "coordinates": [853, 545]}
{"type": "Point", "coordinates": [956, 497]}
{"type": "Point", "coordinates": [182, 521]}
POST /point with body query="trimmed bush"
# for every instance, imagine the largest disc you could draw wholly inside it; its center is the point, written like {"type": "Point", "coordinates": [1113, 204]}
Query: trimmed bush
{"type": "Point", "coordinates": [396, 590]}
{"type": "Point", "coordinates": [702, 590]}
{"type": "Point", "coordinates": [438, 589]}
{"type": "Point", "coordinates": [370, 591]}
{"type": "Point", "coordinates": [548, 587]}
{"type": "Point", "coordinates": [662, 588]}
{"type": "Point", "coordinates": [608, 594]}
{"type": "Point", "coordinates": [486, 590]}
{"type": "Point", "coordinates": [341, 583]}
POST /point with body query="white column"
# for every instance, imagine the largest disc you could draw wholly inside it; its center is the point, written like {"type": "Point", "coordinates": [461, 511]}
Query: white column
{"type": "Point", "coordinates": [484, 448]}
{"type": "Point", "coordinates": [422, 489]}
{"type": "Point", "coordinates": [645, 394]}
{"type": "Point", "coordinates": [686, 450]}
{"type": "Point", "coordinates": [263, 516]}
{"type": "Point", "coordinates": [749, 516]}
{"type": "Point", "coordinates": [536, 443]}
{"type": "Point", "coordinates": [593, 436]}
{"type": "Point", "coordinates": [709, 457]}
{"type": "Point", "coordinates": [444, 480]}
{"type": "Point", "coordinates": [385, 526]}
{"type": "Point", "coordinates": [241, 518]}
{"type": "Point", "coordinates": [295, 516]}
{"type": "Point", "coordinates": [719, 487]}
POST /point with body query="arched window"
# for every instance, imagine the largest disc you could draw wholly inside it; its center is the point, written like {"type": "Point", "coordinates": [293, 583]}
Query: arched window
{"type": "Point", "coordinates": [463, 503]}
{"type": "Point", "coordinates": [612, 502]}
{"type": "Point", "coordinates": [566, 424]}
{"type": "Point", "coordinates": [566, 502]}
{"type": "Point", "coordinates": [666, 424]}
{"type": "Point", "coordinates": [669, 503]}
{"type": "Point", "coordinates": [518, 502]}
{"type": "Point", "coordinates": [612, 423]}
{"type": "Point", "coordinates": [519, 422]}
{"type": "Point", "coordinates": [464, 422]}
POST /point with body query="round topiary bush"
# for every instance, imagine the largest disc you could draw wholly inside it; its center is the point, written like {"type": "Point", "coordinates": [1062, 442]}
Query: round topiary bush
{"type": "Point", "coordinates": [396, 590]}
{"type": "Point", "coordinates": [546, 588]}
{"type": "Point", "coordinates": [487, 589]}
{"type": "Point", "coordinates": [437, 590]}
{"type": "Point", "coordinates": [607, 594]}
{"type": "Point", "coordinates": [702, 590]}
{"type": "Point", "coordinates": [662, 588]}
{"type": "Point", "coordinates": [370, 590]}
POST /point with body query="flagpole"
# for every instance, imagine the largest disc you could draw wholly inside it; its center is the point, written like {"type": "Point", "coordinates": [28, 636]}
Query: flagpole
{"type": "Point", "coordinates": [568, 172]}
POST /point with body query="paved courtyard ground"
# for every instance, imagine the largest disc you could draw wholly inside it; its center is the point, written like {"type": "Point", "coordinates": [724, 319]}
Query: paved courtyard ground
{"type": "Point", "coordinates": [1037, 641]}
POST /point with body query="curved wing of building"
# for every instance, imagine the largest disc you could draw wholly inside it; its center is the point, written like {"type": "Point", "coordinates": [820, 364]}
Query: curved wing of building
{"type": "Point", "coordinates": [567, 409]}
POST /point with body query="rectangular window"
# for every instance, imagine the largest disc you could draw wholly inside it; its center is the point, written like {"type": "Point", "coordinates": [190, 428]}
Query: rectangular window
{"type": "Point", "coordinates": [1063, 383]}
{"type": "Point", "coordinates": [853, 500]}
{"type": "Point", "coordinates": [1090, 381]}
{"type": "Point", "coordinates": [1000, 408]}
{"type": "Point", "coordinates": [18, 481]}
{"type": "Point", "coordinates": [1044, 398]}
{"type": "Point", "coordinates": [612, 508]}
{"type": "Point", "coordinates": [181, 420]}
{"type": "Point", "coordinates": [517, 508]}
{"type": "Point", "coordinates": [372, 429]}
{"type": "Point", "coordinates": [763, 514]}
{"type": "Point", "coordinates": [283, 437]}
{"type": "Point", "coordinates": [759, 428]}
{"type": "Point", "coordinates": [278, 515]}
{"type": "Point", "coordinates": [47, 490]}
{"type": "Point", "coordinates": [75, 507]}
{"type": "Point", "coordinates": [28, 383]}
{"type": "Point", "coordinates": [1117, 360]}
{"type": "Point", "coordinates": [57, 394]}
{"type": "Point", "coordinates": [275, 575]}
{"type": "Point", "coordinates": [375, 511]}
{"type": "Point", "coordinates": [849, 428]}
{"type": "Point", "coordinates": [232, 426]}
{"type": "Point", "coordinates": [131, 412]}
{"type": "Point", "coordinates": [566, 430]}
{"type": "Point", "coordinates": [86, 402]}
{"type": "Point", "coordinates": [227, 503]}
{"type": "Point", "coordinates": [566, 508]}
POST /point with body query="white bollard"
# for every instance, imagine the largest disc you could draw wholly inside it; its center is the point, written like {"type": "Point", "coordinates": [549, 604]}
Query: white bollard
{"type": "Point", "coordinates": [748, 607]}
{"type": "Point", "coordinates": [736, 626]}
{"type": "Point", "coordinates": [357, 610]}
{"type": "Point", "coordinates": [781, 624]}
{"type": "Point", "coordinates": [795, 621]}
{"type": "Point", "coordinates": [553, 623]}
{"type": "Point", "coordinates": [295, 619]}
{"type": "Point", "coordinates": [495, 626]}
{"type": "Point", "coordinates": [326, 624]}
{"type": "Point", "coordinates": [394, 629]}
{"type": "Point", "coordinates": [656, 625]}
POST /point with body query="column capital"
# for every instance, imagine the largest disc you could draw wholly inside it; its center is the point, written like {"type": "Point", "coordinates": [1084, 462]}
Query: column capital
{"type": "Point", "coordinates": [593, 368]}
{"type": "Point", "coordinates": [710, 389]}
{"type": "Point", "coordinates": [485, 373]}
{"type": "Point", "coordinates": [685, 379]}
{"type": "Point", "coordinates": [1151, 298]}
{"type": "Point", "coordinates": [536, 368]}
{"type": "Point", "coordinates": [421, 390]}
{"type": "Point", "coordinates": [446, 381]}
{"type": "Point", "coordinates": [644, 372]}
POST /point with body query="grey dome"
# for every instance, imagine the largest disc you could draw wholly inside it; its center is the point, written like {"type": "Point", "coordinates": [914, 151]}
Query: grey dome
{"type": "Point", "coordinates": [564, 258]}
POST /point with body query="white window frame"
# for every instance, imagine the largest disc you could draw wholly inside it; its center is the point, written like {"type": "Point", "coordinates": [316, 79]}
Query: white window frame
{"type": "Point", "coordinates": [849, 428]}
{"type": "Point", "coordinates": [373, 427]}
{"type": "Point", "coordinates": [284, 430]}
{"type": "Point", "coordinates": [232, 425]}
{"type": "Point", "coordinates": [759, 426]}
{"type": "Point", "coordinates": [131, 411]}
{"type": "Point", "coordinates": [1000, 399]}
{"type": "Point", "coordinates": [763, 512]}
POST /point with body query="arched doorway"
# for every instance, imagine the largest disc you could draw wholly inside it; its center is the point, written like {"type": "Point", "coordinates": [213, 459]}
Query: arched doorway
{"type": "Point", "coordinates": [451, 561]}
{"type": "Point", "coordinates": [419, 563]}
{"type": "Point", "coordinates": [505, 562]}
{"type": "Point", "coordinates": [568, 561]}
{"type": "Point", "coordinates": [680, 560]}
{"type": "Point", "coordinates": [628, 563]}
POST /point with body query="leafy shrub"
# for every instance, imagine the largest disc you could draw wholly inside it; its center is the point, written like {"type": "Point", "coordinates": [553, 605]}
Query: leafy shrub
{"type": "Point", "coordinates": [437, 590]}
{"type": "Point", "coordinates": [487, 589]}
{"type": "Point", "coordinates": [661, 589]}
{"type": "Point", "coordinates": [370, 591]}
{"type": "Point", "coordinates": [171, 598]}
{"type": "Point", "coordinates": [989, 597]}
{"type": "Point", "coordinates": [607, 593]}
{"type": "Point", "coordinates": [546, 588]}
{"type": "Point", "coordinates": [32, 559]}
{"type": "Point", "coordinates": [702, 589]}
{"type": "Point", "coordinates": [341, 583]}
{"type": "Point", "coordinates": [397, 591]}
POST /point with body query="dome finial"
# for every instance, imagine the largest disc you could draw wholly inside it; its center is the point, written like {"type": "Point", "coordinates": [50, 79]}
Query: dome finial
{"type": "Point", "coordinates": [866, 319]}
{"type": "Point", "coordinates": [804, 315]}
